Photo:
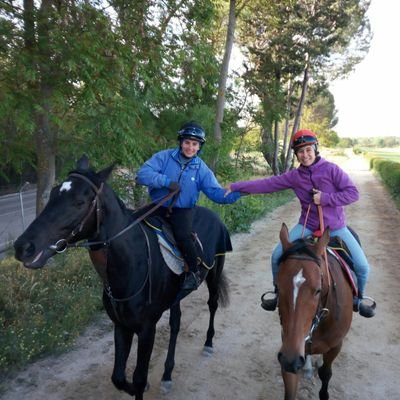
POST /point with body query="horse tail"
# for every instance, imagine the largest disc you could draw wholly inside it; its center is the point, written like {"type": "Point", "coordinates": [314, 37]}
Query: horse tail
{"type": "Point", "coordinates": [223, 290]}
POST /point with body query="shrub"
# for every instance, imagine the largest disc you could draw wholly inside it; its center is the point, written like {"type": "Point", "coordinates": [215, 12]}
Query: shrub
{"type": "Point", "coordinates": [389, 171]}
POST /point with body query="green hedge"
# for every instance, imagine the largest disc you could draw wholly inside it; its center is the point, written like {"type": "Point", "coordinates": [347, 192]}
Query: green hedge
{"type": "Point", "coordinates": [239, 216]}
{"type": "Point", "coordinates": [389, 171]}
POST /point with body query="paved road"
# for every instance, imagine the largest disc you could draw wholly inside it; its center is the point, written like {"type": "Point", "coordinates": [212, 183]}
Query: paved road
{"type": "Point", "coordinates": [17, 211]}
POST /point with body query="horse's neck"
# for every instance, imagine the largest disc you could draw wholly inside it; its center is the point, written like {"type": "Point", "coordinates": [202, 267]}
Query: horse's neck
{"type": "Point", "coordinates": [123, 247]}
{"type": "Point", "coordinates": [114, 216]}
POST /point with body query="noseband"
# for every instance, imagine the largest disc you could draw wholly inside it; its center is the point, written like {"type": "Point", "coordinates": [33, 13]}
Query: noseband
{"type": "Point", "coordinates": [61, 245]}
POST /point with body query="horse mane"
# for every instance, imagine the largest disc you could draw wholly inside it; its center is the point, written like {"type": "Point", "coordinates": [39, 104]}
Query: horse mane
{"type": "Point", "coordinates": [89, 173]}
{"type": "Point", "coordinates": [300, 246]}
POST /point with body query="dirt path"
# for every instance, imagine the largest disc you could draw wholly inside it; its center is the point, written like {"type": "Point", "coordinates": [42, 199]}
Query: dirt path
{"type": "Point", "coordinates": [244, 365]}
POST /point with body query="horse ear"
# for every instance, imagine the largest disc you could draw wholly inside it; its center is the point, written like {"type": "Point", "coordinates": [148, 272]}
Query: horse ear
{"type": "Point", "coordinates": [322, 242]}
{"type": "Point", "coordinates": [284, 237]}
{"type": "Point", "coordinates": [106, 172]}
{"type": "Point", "coordinates": [83, 163]}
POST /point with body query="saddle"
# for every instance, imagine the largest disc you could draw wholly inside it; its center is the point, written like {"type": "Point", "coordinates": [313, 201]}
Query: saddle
{"type": "Point", "coordinates": [338, 249]}
{"type": "Point", "coordinates": [169, 249]}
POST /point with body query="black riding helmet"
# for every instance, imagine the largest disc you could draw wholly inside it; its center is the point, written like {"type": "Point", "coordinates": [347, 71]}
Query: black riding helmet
{"type": "Point", "coordinates": [192, 130]}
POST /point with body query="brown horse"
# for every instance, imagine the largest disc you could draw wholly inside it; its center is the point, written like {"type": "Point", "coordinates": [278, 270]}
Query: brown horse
{"type": "Point", "coordinates": [315, 307]}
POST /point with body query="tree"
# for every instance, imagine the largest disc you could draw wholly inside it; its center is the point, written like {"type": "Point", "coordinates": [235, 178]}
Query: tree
{"type": "Point", "coordinates": [290, 45]}
{"type": "Point", "coordinates": [113, 80]}
{"type": "Point", "coordinates": [63, 59]}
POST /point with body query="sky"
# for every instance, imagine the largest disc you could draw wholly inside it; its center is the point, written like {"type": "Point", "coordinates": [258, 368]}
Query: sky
{"type": "Point", "coordinates": [368, 100]}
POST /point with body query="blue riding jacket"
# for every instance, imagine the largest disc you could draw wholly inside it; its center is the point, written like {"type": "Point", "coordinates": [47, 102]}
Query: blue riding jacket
{"type": "Point", "coordinates": [193, 177]}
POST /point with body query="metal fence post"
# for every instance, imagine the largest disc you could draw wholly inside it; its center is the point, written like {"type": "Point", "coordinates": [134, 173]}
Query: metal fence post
{"type": "Point", "coordinates": [22, 204]}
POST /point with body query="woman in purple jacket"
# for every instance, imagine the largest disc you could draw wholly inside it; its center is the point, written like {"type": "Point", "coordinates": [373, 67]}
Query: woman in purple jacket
{"type": "Point", "coordinates": [317, 182]}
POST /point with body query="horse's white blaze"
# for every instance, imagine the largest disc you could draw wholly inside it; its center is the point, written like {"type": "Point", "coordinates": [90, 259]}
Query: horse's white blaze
{"type": "Point", "coordinates": [66, 186]}
{"type": "Point", "coordinates": [298, 280]}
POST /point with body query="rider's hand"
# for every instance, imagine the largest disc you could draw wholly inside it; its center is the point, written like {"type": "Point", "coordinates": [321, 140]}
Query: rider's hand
{"type": "Point", "coordinates": [174, 187]}
{"type": "Point", "coordinates": [228, 190]}
{"type": "Point", "coordinates": [317, 197]}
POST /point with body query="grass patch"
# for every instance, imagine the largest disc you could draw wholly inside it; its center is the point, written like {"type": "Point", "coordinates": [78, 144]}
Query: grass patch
{"type": "Point", "coordinates": [43, 311]}
{"type": "Point", "coordinates": [384, 154]}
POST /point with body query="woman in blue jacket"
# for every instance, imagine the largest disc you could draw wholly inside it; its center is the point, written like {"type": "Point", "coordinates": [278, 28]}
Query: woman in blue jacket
{"type": "Point", "coordinates": [181, 168]}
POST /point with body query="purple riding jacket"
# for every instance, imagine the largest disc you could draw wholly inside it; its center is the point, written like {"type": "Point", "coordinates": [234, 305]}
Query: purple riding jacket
{"type": "Point", "coordinates": [337, 191]}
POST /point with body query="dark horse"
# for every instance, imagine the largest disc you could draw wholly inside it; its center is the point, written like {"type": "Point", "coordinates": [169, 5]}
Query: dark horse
{"type": "Point", "coordinates": [315, 307]}
{"type": "Point", "coordinates": [138, 284]}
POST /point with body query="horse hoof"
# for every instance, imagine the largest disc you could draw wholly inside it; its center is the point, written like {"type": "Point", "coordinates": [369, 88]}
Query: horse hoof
{"type": "Point", "coordinates": [165, 387]}
{"type": "Point", "coordinates": [207, 351]}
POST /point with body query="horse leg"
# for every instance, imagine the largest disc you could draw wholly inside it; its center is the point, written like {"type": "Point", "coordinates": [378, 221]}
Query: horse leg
{"type": "Point", "coordinates": [308, 367]}
{"type": "Point", "coordinates": [290, 381]}
{"type": "Point", "coordinates": [212, 279]}
{"type": "Point", "coordinates": [325, 371]}
{"type": "Point", "coordinates": [174, 324]}
{"type": "Point", "coordinates": [122, 342]}
{"type": "Point", "coordinates": [145, 347]}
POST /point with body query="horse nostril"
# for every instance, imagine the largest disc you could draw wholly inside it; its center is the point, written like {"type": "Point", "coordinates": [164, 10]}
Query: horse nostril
{"type": "Point", "coordinates": [24, 250]}
{"type": "Point", "coordinates": [301, 362]}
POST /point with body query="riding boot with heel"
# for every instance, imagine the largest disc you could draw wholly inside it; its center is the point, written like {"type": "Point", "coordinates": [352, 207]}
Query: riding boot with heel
{"type": "Point", "coordinates": [270, 304]}
{"type": "Point", "coordinates": [365, 310]}
{"type": "Point", "coordinates": [192, 281]}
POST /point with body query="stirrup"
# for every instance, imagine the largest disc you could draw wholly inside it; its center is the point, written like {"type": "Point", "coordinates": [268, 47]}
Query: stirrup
{"type": "Point", "coordinates": [269, 304]}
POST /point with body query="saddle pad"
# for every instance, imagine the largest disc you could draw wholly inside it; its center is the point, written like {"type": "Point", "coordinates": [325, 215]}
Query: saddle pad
{"type": "Point", "coordinates": [171, 258]}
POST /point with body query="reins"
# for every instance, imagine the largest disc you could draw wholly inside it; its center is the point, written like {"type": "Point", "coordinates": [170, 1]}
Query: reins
{"type": "Point", "coordinates": [322, 229]}
{"type": "Point", "coordinates": [61, 245]}
{"type": "Point", "coordinates": [106, 242]}
{"type": "Point", "coordinates": [322, 311]}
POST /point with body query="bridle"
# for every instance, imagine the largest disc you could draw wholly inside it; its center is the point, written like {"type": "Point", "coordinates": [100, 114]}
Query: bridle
{"type": "Point", "coordinates": [62, 244]}
{"type": "Point", "coordinates": [322, 311]}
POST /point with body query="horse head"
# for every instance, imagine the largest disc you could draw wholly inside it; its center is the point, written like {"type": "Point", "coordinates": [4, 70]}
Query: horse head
{"type": "Point", "coordinates": [300, 286]}
{"type": "Point", "coordinates": [71, 214]}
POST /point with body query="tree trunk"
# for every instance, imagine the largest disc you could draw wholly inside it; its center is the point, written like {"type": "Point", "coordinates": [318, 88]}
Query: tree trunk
{"type": "Point", "coordinates": [45, 137]}
{"type": "Point", "coordinates": [286, 142]}
{"type": "Point", "coordinates": [219, 115]}
{"type": "Point", "coordinates": [275, 167]}
{"type": "Point", "coordinates": [46, 165]}
{"type": "Point", "coordinates": [296, 124]}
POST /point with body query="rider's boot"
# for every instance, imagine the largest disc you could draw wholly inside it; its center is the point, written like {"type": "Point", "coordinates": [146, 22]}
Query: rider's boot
{"type": "Point", "coordinates": [270, 304]}
{"type": "Point", "coordinates": [192, 280]}
{"type": "Point", "coordinates": [365, 310]}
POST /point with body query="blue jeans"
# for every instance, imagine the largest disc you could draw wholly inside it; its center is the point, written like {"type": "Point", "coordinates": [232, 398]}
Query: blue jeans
{"type": "Point", "coordinates": [361, 266]}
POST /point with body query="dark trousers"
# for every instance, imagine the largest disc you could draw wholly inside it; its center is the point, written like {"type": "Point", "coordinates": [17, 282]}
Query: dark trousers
{"type": "Point", "coordinates": [181, 220]}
